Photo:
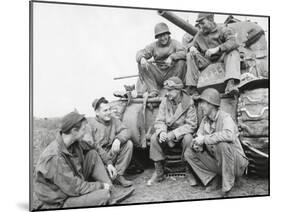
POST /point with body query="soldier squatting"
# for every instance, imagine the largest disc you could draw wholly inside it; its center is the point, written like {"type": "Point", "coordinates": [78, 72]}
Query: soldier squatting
{"type": "Point", "coordinates": [72, 173]}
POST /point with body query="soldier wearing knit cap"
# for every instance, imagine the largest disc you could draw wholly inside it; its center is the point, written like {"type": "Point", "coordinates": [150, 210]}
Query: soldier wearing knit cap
{"type": "Point", "coordinates": [174, 125]}
{"type": "Point", "coordinates": [213, 44]}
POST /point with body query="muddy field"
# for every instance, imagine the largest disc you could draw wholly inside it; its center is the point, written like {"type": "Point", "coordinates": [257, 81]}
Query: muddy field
{"type": "Point", "coordinates": [172, 189]}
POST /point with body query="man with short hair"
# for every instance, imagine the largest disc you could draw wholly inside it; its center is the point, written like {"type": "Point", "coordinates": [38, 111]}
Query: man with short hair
{"type": "Point", "coordinates": [169, 60]}
{"type": "Point", "coordinates": [69, 173]}
{"type": "Point", "coordinates": [113, 138]}
{"type": "Point", "coordinates": [213, 44]}
{"type": "Point", "coordinates": [175, 123]}
{"type": "Point", "coordinates": [216, 150]}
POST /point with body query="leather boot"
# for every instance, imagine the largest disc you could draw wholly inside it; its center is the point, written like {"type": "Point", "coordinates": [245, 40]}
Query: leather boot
{"type": "Point", "coordinates": [122, 181]}
{"type": "Point", "coordinates": [120, 195]}
{"type": "Point", "coordinates": [213, 185]}
{"type": "Point", "coordinates": [190, 177]}
{"type": "Point", "coordinates": [158, 174]}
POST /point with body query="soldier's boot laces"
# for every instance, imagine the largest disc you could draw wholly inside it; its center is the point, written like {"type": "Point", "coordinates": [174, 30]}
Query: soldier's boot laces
{"type": "Point", "coordinates": [158, 174]}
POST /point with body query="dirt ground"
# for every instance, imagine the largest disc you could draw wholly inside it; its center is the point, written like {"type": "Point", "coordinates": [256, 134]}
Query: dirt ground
{"type": "Point", "coordinates": [177, 188]}
{"type": "Point", "coordinates": [172, 189]}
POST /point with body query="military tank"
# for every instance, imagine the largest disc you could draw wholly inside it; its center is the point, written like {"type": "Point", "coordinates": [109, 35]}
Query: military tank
{"type": "Point", "coordinates": [250, 110]}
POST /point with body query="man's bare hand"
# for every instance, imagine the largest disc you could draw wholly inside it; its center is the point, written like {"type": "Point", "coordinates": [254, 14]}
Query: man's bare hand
{"type": "Point", "coordinates": [107, 186]}
{"type": "Point", "coordinates": [171, 136]}
{"type": "Point", "coordinates": [112, 171]}
{"type": "Point", "coordinates": [193, 50]}
{"type": "Point", "coordinates": [169, 61]}
{"type": "Point", "coordinates": [115, 148]}
{"type": "Point", "coordinates": [212, 51]}
{"type": "Point", "coordinates": [199, 140]}
{"type": "Point", "coordinates": [144, 63]}
{"type": "Point", "coordinates": [162, 137]}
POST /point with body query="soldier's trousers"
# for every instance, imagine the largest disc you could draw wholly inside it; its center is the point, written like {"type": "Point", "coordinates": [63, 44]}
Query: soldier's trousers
{"type": "Point", "coordinates": [93, 170]}
{"type": "Point", "coordinates": [155, 77]}
{"type": "Point", "coordinates": [122, 159]}
{"type": "Point", "coordinates": [157, 150]}
{"type": "Point", "coordinates": [197, 63]}
{"type": "Point", "coordinates": [219, 159]}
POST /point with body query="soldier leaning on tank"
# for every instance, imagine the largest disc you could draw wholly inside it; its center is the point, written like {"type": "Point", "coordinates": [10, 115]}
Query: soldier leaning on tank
{"type": "Point", "coordinates": [216, 151]}
{"type": "Point", "coordinates": [175, 123]}
{"type": "Point", "coordinates": [113, 137]}
{"type": "Point", "coordinates": [69, 173]}
{"type": "Point", "coordinates": [213, 44]}
{"type": "Point", "coordinates": [169, 60]}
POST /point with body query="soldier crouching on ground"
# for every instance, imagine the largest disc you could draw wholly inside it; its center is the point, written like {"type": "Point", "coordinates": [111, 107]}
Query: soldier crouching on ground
{"type": "Point", "coordinates": [176, 122]}
{"type": "Point", "coordinates": [112, 137]}
{"type": "Point", "coordinates": [216, 150]}
{"type": "Point", "coordinates": [213, 44]}
{"type": "Point", "coordinates": [69, 173]}
{"type": "Point", "coordinates": [169, 60]}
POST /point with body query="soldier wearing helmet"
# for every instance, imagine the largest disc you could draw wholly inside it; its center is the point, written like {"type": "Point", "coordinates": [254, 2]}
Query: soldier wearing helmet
{"type": "Point", "coordinates": [216, 151]}
{"type": "Point", "coordinates": [213, 44]}
{"type": "Point", "coordinates": [167, 59]}
{"type": "Point", "coordinates": [174, 125]}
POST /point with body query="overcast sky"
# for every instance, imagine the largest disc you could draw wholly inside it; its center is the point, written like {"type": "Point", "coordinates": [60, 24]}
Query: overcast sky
{"type": "Point", "coordinates": [78, 50]}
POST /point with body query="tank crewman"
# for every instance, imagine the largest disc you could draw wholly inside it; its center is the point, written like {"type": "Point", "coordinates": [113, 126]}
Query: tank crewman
{"type": "Point", "coordinates": [213, 44]}
{"type": "Point", "coordinates": [169, 60]}
{"type": "Point", "coordinates": [174, 125]}
{"type": "Point", "coordinates": [216, 150]}
{"type": "Point", "coordinates": [111, 135]}
{"type": "Point", "coordinates": [69, 173]}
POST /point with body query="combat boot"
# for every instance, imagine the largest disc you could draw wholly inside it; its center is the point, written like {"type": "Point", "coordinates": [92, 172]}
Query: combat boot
{"type": "Point", "coordinates": [122, 181]}
{"type": "Point", "coordinates": [190, 177]}
{"type": "Point", "coordinates": [158, 174]}
{"type": "Point", "coordinates": [213, 185]}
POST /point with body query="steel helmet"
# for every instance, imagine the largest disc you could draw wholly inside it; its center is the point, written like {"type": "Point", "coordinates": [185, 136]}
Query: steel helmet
{"type": "Point", "coordinates": [211, 96]}
{"type": "Point", "coordinates": [161, 28]}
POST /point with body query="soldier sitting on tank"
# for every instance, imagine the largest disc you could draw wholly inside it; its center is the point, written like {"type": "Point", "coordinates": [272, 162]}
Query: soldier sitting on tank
{"type": "Point", "coordinates": [216, 151]}
{"type": "Point", "coordinates": [169, 60]}
{"type": "Point", "coordinates": [213, 44]}
{"type": "Point", "coordinates": [175, 123]}
{"type": "Point", "coordinates": [113, 137]}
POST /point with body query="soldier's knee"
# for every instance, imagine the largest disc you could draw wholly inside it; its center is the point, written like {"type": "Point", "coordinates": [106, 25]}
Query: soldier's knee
{"type": "Point", "coordinates": [153, 140]}
{"type": "Point", "coordinates": [130, 145]}
{"type": "Point", "coordinates": [188, 154]}
{"type": "Point", "coordinates": [187, 141]}
{"type": "Point", "coordinates": [92, 154]}
{"type": "Point", "coordinates": [224, 147]}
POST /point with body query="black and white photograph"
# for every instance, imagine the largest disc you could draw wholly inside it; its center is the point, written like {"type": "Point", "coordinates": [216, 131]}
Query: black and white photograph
{"type": "Point", "coordinates": [137, 105]}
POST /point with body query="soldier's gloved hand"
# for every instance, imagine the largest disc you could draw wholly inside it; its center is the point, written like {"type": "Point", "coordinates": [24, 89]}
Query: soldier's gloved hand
{"type": "Point", "coordinates": [162, 137]}
{"type": "Point", "coordinates": [111, 171]}
{"type": "Point", "coordinates": [212, 51]}
{"type": "Point", "coordinates": [115, 148]}
{"type": "Point", "coordinates": [169, 61]}
{"type": "Point", "coordinates": [144, 63]}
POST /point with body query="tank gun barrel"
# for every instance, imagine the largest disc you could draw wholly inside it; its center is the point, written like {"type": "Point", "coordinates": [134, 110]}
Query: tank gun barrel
{"type": "Point", "coordinates": [178, 22]}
